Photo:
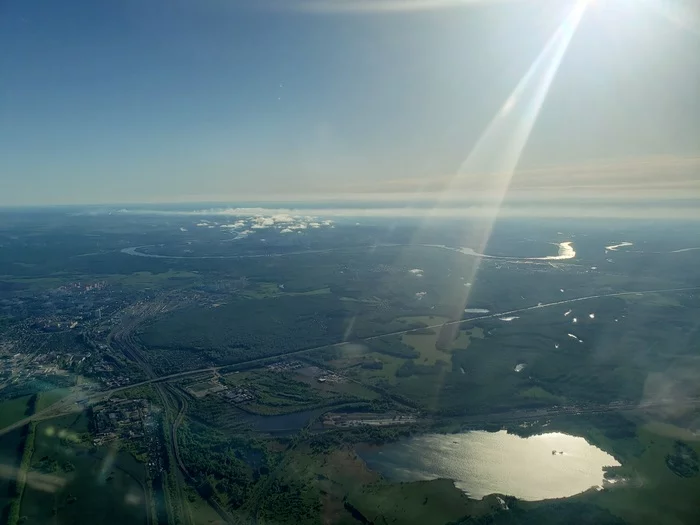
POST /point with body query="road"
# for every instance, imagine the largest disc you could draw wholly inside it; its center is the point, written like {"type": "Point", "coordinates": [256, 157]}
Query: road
{"type": "Point", "coordinates": [123, 340]}
{"type": "Point", "coordinates": [223, 513]}
{"type": "Point", "coordinates": [67, 404]}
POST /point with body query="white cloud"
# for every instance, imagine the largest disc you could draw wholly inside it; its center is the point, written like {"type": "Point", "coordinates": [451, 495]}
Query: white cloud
{"type": "Point", "coordinates": [282, 218]}
{"type": "Point", "coordinates": [262, 222]}
{"type": "Point", "coordinates": [552, 209]}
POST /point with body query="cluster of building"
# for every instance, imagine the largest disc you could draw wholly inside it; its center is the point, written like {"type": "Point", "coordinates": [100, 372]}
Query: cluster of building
{"type": "Point", "coordinates": [285, 366]}
{"type": "Point", "coordinates": [321, 375]}
{"type": "Point", "coordinates": [238, 395]}
{"type": "Point", "coordinates": [19, 367]}
{"type": "Point", "coordinates": [367, 419]}
{"type": "Point", "coordinates": [133, 422]}
{"type": "Point", "coordinates": [82, 287]}
{"type": "Point", "coordinates": [125, 419]}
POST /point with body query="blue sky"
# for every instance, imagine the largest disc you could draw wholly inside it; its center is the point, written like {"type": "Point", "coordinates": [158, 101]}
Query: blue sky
{"type": "Point", "coordinates": [156, 101]}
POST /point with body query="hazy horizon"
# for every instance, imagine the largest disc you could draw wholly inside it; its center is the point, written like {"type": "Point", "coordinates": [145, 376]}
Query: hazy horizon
{"type": "Point", "coordinates": [497, 102]}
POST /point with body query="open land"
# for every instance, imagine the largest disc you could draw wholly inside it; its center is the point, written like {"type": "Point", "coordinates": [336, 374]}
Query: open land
{"type": "Point", "coordinates": [182, 374]}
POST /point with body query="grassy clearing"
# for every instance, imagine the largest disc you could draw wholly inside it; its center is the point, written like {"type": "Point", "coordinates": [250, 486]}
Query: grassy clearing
{"type": "Point", "coordinates": [417, 503]}
{"type": "Point", "coordinates": [13, 410]}
{"type": "Point", "coordinates": [198, 510]}
{"type": "Point", "coordinates": [262, 291]}
{"type": "Point", "coordinates": [385, 374]}
{"type": "Point", "coordinates": [348, 388]}
{"type": "Point", "coordinates": [427, 343]}
{"type": "Point", "coordinates": [48, 398]}
{"type": "Point", "coordinates": [266, 290]}
{"type": "Point", "coordinates": [279, 393]}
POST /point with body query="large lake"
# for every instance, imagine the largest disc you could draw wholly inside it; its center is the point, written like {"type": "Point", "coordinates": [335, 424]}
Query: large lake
{"type": "Point", "coordinates": [483, 463]}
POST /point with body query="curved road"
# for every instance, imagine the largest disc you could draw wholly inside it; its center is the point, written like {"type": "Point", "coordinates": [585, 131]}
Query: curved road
{"type": "Point", "coordinates": [67, 404]}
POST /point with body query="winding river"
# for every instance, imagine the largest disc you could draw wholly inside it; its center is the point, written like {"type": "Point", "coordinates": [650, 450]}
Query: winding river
{"type": "Point", "coordinates": [565, 251]}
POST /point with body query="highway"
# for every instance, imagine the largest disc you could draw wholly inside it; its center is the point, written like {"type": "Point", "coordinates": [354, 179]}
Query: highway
{"type": "Point", "coordinates": [68, 404]}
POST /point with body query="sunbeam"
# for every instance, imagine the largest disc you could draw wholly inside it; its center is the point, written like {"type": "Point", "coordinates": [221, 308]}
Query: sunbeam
{"type": "Point", "coordinates": [493, 159]}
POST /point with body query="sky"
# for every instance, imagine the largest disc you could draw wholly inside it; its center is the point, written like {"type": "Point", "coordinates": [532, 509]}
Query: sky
{"type": "Point", "coordinates": [122, 101]}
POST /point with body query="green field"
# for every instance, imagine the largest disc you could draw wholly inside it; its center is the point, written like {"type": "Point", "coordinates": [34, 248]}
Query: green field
{"type": "Point", "coordinates": [72, 482]}
{"type": "Point", "coordinates": [426, 344]}
{"type": "Point", "coordinates": [652, 493]}
{"type": "Point", "coordinates": [10, 456]}
{"type": "Point", "coordinates": [50, 397]}
{"type": "Point", "coordinates": [387, 374]}
{"type": "Point", "coordinates": [415, 503]}
{"type": "Point", "coordinates": [146, 279]}
{"type": "Point", "coordinates": [344, 388]}
{"type": "Point", "coordinates": [199, 511]}
{"type": "Point", "coordinates": [13, 410]}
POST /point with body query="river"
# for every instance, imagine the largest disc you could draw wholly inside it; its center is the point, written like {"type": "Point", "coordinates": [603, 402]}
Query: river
{"type": "Point", "coordinates": [565, 251]}
{"type": "Point", "coordinates": [552, 465]}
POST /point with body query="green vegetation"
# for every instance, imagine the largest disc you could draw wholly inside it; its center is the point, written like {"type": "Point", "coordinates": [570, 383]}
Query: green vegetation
{"type": "Point", "coordinates": [537, 392]}
{"type": "Point", "coordinates": [683, 461]}
{"type": "Point", "coordinates": [225, 466]}
{"type": "Point", "coordinates": [14, 410]}
{"type": "Point", "coordinates": [554, 512]}
{"type": "Point", "coordinates": [103, 483]}
{"type": "Point", "coordinates": [11, 454]}
{"type": "Point", "coordinates": [14, 516]}
{"type": "Point", "coordinates": [261, 328]}
{"type": "Point", "coordinates": [413, 503]}
{"type": "Point", "coordinates": [199, 512]}
{"type": "Point", "coordinates": [48, 398]}
{"type": "Point", "coordinates": [146, 279]}
{"type": "Point", "coordinates": [271, 459]}
{"type": "Point", "coordinates": [645, 480]}
{"type": "Point", "coordinates": [264, 290]}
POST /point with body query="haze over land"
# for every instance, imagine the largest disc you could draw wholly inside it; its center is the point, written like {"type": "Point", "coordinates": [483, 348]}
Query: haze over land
{"type": "Point", "coordinates": [303, 262]}
{"type": "Point", "coordinates": [262, 364]}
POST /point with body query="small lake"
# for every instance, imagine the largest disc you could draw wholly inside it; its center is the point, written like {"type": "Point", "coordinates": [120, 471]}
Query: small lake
{"type": "Point", "coordinates": [482, 463]}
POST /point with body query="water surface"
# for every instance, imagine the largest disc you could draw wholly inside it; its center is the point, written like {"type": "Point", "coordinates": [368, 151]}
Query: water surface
{"type": "Point", "coordinates": [553, 465]}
